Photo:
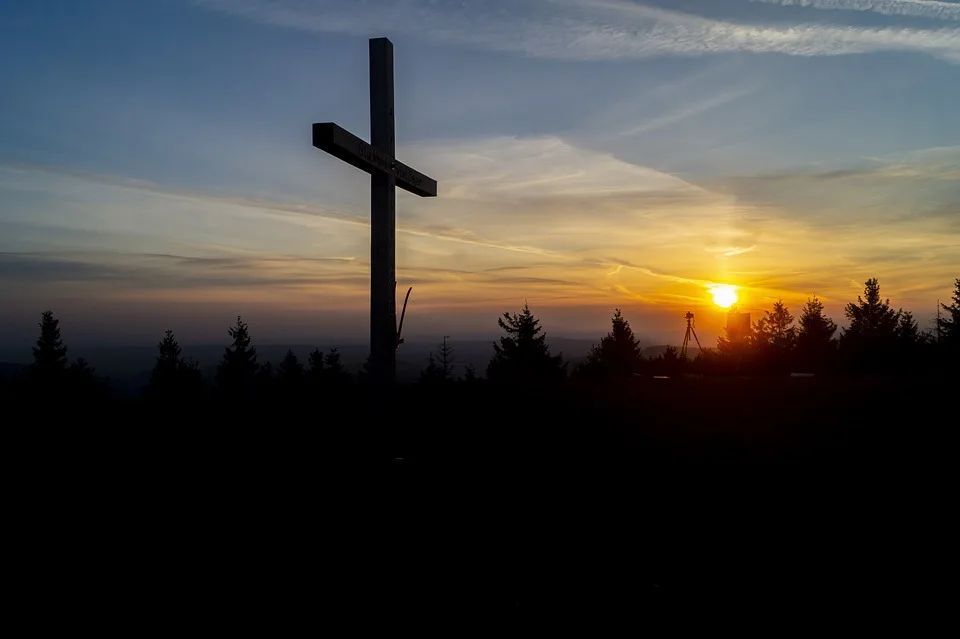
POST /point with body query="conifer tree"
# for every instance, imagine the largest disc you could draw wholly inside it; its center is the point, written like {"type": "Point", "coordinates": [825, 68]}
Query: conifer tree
{"type": "Point", "coordinates": [949, 324]}
{"type": "Point", "coordinates": [910, 342]}
{"type": "Point", "coordinates": [439, 369]}
{"type": "Point", "coordinates": [775, 337]}
{"type": "Point", "coordinates": [290, 371]}
{"type": "Point", "coordinates": [431, 374]}
{"type": "Point", "coordinates": [266, 375]}
{"type": "Point", "coordinates": [871, 317]}
{"type": "Point", "coordinates": [169, 355]}
{"type": "Point", "coordinates": [82, 373]}
{"type": "Point", "coordinates": [167, 366]}
{"type": "Point", "coordinates": [49, 355]}
{"type": "Point", "coordinates": [522, 354]}
{"type": "Point", "coordinates": [315, 362]}
{"type": "Point", "coordinates": [815, 343]}
{"type": "Point", "coordinates": [84, 385]}
{"type": "Point", "coordinates": [618, 354]}
{"type": "Point", "coordinates": [335, 372]}
{"type": "Point", "coordinates": [315, 374]}
{"type": "Point", "coordinates": [446, 359]}
{"type": "Point", "coordinates": [871, 337]}
{"type": "Point", "coordinates": [668, 362]}
{"type": "Point", "coordinates": [173, 378]}
{"type": "Point", "coordinates": [908, 331]}
{"type": "Point", "coordinates": [238, 369]}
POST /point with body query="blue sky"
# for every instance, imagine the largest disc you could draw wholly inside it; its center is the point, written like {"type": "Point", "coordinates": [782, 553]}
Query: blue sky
{"type": "Point", "coordinates": [156, 168]}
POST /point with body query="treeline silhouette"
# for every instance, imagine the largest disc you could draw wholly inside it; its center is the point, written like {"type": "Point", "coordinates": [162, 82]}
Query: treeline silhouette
{"type": "Point", "coordinates": [877, 340]}
{"type": "Point", "coordinates": [533, 485]}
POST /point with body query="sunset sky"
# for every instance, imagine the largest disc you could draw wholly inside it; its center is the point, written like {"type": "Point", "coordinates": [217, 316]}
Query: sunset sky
{"type": "Point", "coordinates": [156, 167]}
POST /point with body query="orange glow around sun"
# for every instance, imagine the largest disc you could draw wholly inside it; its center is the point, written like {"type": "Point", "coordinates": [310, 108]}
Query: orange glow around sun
{"type": "Point", "coordinates": [724, 295]}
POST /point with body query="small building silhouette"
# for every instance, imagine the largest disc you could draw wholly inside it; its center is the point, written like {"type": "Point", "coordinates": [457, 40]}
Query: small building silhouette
{"type": "Point", "coordinates": [738, 325]}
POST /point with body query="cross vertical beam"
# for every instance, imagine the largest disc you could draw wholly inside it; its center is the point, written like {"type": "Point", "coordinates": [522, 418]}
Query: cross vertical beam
{"type": "Point", "coordinates": [386, 174]}
{"type": "Point", "coordinates": [383, 218]}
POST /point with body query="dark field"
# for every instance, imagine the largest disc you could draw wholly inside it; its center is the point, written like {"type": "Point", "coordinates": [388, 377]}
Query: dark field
{"type": "Point", "coordinates": [496, 504]}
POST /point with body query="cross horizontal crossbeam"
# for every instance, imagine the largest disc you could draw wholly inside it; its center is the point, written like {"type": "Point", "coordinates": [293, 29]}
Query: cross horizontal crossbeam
{"type": "Point", "coordinates": [342, 144]}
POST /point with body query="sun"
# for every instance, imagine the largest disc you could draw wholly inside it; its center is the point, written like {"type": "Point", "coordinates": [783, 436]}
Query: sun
{"type": "Point", "coordinates": [724, 295]}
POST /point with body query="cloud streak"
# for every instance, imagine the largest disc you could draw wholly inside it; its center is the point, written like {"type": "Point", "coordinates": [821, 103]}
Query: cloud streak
{"type": "Point", "coordinates": [585, 30]}
{"type": "Point", "coordinates": [685, 113]}
{"type": "Point", "coordinates": [915, 8]}
{"type": "Point", "coordinates": [520, 217]}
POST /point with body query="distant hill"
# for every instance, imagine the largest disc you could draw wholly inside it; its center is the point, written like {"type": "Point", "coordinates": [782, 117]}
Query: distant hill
{"type": "Point", "coordinates": [128, 368]}
{"type": "Point", "coordinates": [653, 352]}
{"type": "Point", "coordinates": [9, 369]}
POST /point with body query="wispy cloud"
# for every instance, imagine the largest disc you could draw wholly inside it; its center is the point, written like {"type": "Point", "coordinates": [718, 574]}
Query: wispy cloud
{"type": "Point", "coordinates": [538, 167]}
{"type": "Point", "coordinates": [736, 250]}
{"type": "Point", "coordinates": [918, 8]}
{"type": "Point", "coordinates": [519, 217]}
{"type": "Point", "coordinates": [585, 29]}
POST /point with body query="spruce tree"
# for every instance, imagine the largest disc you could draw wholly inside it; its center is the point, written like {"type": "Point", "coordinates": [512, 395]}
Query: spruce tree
{"type": "Point", "coordinates": [173, 378]}
{"type": "Point", "coordinates": [948, 346]}
{"type": "Point", "coordinates": [315, 361]}
{"type": "Point", "coordinates": [266, 375]}
{"type": "Point", "coordinates": [949, 324]}
{"type": "Point", "coordinates": [290, 371]}
{"type": "Point", "coordinates": [446, 360]}
{"type": "Point", "coordinates": [815, 343]}
{"type": "Point", "coordinates": [775, 337]}
{"type": "Point", "coordinates": [908, 331]}
{"type": "Point", "coordinates": [871, 317]}
{"type": "Point", "coordinates": [870, 340]}
{"type": "Point", "coordinates": [166, 369]}
{"type": "Point", "coordinates": [84, 385]}
{"type": "Point", "coordinates": [334, 370]}
{"type": "Point", "coordinates": [910, 342]}
{"type": "Point", "coordinates": [439, 369]}
{"type": "Point", "coordinates": [81, 372]}
{"type": "Point", "coordinates": [238, 369]}
{"type": "Point", "coordinates": [49, 355]}
{"type": "Point", "coordinates": [522, 354]}
{"type": "Point", "coordinates": [431, 374]}
{"type": "Point", "coordinates": [670, 362]}
{"type": "Point", "coordinates": [617, 355]}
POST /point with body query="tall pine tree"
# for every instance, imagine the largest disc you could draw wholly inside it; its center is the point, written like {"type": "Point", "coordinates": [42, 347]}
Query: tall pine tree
{"type": "Point", "coordinates": [238, 369]}
{"type": "Point", "coordinates": [869, 342]}
{"type": "Point", "coordinates": [335, 372]}
{"type": "Point", "coordinates": [617, 355]}
{"type": "Point", "coordinates": [173, 378]}
{"type": "Point", "coordinates": [290, 372]}
{"type": "Point", "coordinates": [439, 369]}
{"type": "Point", "coordinates": [949, 322]}
{"type": "Point", "coordinates": [816, 346]}
{"type": "Point", "coordinates": [775, 337]}
{"type": "Point", "coordinates": [522, 354]}
{"type": "Point", "coordinates": [49, 355]}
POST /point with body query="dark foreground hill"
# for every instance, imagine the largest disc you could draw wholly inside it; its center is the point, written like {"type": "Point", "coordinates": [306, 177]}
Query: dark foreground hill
{"type": "Point", "coordinates": [482, 504]}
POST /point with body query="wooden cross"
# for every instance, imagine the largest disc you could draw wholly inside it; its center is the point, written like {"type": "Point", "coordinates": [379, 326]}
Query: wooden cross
{"type": "Point", "coordinates": [386, 173]}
